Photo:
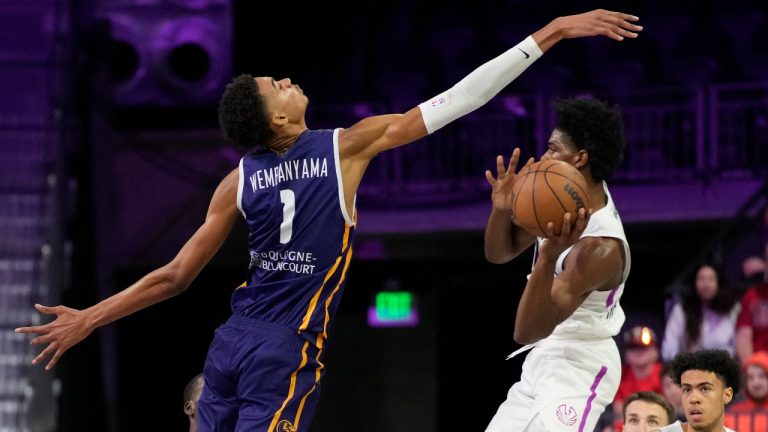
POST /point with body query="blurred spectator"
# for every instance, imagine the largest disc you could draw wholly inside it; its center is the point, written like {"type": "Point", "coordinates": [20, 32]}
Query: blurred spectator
{"type": "Point", "coordinates": [706, 316]}
{"type": "Point", "coordinates": [752, 323]}
{"type": "Point", "coordinates": [751, 414]}
{"type": "Point", "coordinates": [642, 368]}
{"type": "Point", "coordinates": [646, 411]}
{"type": "Point", "coordinates": [753, 270]}
{"type": "Point", "coordinates": [672, 391]}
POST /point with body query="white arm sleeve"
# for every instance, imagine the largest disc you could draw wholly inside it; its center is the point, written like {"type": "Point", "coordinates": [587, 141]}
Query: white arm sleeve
{"type": "Point", "coordinates": [479, 86]}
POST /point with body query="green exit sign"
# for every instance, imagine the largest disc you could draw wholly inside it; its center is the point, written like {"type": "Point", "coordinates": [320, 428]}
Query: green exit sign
{"type": "Point", "coordinates": [393, 309]}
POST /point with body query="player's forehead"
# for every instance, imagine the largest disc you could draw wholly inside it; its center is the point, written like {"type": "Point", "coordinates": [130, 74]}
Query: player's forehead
{"type": "Point", "coordinates": [644, 409]}
{"type": "Point", "coordinates": [696, 377]}
{"type": "Point", "coordinates": [266, 84]}
{"type": "Point", "coordinates": [559, 138]}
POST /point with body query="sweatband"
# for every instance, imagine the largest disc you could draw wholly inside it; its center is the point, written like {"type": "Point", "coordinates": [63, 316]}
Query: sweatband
{"type": "Point", "coordinates": [479, 86]}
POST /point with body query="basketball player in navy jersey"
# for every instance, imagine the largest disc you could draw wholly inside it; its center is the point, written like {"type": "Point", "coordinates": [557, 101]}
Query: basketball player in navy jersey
{"type": "Point", "coordinates": [569, 310]}
{"type": "Point", "coordinates": [296, 190]}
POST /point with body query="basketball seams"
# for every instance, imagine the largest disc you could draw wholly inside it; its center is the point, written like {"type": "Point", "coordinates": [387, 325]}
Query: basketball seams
{"type": "Point", "coordinates": [533, 202]}
{"type": "Point", "coordinates": [516, 189]}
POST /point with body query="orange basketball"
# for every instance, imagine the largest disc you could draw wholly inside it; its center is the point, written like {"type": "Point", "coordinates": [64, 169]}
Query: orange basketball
{"type": "Point", "coordinates": [544, 192]}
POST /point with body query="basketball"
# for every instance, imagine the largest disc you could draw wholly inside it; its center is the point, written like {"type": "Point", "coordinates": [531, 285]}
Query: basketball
{"type": "Point", "coordinates": [544, 192]}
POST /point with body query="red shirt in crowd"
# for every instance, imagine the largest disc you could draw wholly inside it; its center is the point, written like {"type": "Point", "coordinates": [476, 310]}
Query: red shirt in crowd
{"type": "Point", "coordinates": [754, 314]}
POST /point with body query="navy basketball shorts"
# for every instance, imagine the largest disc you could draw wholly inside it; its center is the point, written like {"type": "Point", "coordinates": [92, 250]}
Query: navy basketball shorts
{"type": "Point", "coordinates": [259, 377]}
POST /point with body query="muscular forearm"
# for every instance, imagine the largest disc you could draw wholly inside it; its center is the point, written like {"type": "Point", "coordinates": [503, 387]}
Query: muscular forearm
{"type": "Point", "coordinates": [503, 240]}
{"type": "Point", "coordinates": [498, 237]}
{"type": "Point", "coordinates": [537, 313]}
{"type": "Point", "coordinates": [155, 287]}
{"type": "Point", "coordinates": [479, 86]}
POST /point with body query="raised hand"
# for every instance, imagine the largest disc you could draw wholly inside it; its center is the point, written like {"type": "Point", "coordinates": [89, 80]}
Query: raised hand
{"type": "Point", "coordinates": [501, 185]}
{"type": "Point", "coordinates": [62, 333]}
{"type": "Point", "coordinates": [599, 22]}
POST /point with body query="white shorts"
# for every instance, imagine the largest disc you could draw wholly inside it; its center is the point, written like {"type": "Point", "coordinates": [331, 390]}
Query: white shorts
{"type": "Point", "coordinates": [565, 386]}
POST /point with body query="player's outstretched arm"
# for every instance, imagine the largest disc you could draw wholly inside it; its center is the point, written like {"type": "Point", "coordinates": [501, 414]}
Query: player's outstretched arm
{"type": "Point", "coordinates": [72, 326]}
{"type": "Point", "coordinates": [594, 264]}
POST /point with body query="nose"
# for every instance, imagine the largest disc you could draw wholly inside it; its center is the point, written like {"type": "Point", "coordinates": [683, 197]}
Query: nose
{"type": "Point", "coordinates": [286, 82]}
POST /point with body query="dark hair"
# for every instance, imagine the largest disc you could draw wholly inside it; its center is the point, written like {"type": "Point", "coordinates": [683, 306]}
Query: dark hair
{"type": "Point", "coordinates": [652, 398]}
{"type": "Point", "coordinates": [595, 127]}
{"type": "Point", "coordinates": [243, 115]}
{"type": "Point", "coordinates": [667, 369]}
{"type": "Point", "coordinates": [189, 389]}
{"type": "Point", "coordinates": [718, 362]}
{"type": "Point", "coordinates": [722, 303]}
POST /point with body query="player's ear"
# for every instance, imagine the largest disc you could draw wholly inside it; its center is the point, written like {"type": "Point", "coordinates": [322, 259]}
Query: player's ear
{"type": "Point", "coordinates": [727, 395]}
{"type": "Point", "coordinates": [189, 408]}
{"type": "Point", "coordinates": [582, 159]}
{"type": "Point", "coordinates": [279, 119]}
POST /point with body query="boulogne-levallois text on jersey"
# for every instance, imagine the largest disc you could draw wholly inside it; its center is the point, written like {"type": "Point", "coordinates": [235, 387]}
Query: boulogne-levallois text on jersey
{"type": "Point", "coordinates": [289, 170]}
{"type": "Point", "coordinates": [291, 261]}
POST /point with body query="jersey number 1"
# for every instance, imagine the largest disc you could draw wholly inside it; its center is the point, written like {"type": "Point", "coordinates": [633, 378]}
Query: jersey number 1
{"type": "Point", "coordinates": [289, 210]}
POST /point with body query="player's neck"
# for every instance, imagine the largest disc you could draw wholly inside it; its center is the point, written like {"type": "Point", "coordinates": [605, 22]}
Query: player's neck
{"type": "Point", "coordinates": [597, 196]}
{"type": "Point", "coordinates": [280, 143]}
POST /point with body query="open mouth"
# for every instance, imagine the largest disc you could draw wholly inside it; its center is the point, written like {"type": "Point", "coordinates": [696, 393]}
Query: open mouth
{"type": "Point", "coordinates": [695, 415]}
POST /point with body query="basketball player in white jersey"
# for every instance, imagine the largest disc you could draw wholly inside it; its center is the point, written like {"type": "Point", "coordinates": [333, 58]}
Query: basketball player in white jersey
{"type": "Point", "coordinates": [569, 310]}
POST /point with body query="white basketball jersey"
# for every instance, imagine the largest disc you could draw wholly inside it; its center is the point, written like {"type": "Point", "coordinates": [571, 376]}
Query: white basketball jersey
{"type": "Point", "coordinates": [600, 315]}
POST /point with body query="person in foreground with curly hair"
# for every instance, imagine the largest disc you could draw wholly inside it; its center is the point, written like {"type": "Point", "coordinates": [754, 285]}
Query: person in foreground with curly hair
{"type": "Point", "coordinates": [296, 190]}
{"type": "Point", "coordinates": [710, 379]}
{"type": "Point", "coordinates": [569, 310]}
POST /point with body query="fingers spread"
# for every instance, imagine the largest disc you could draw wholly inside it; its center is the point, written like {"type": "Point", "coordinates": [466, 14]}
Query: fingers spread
{"type": "Point", "coordinates": [54, 359]}
{"type": "Point", "coordinates": [489, 177]}
{"type": "Point", "coordinates": [31, 329]}
{"type": "Point", "coordinates": [45, 353]}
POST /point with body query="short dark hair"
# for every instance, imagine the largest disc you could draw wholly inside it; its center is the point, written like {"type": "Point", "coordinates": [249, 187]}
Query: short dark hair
{"type": "Point", "coordinates": [189, 389]}
{"type": "Point", "coordinates": [718, 362]}
{"type": "Point", "coordinates": [593, 126]}
{"type": "Point", "coordinates": [652, 398]}
{"type": "Point", "coordinates": [243, 114]}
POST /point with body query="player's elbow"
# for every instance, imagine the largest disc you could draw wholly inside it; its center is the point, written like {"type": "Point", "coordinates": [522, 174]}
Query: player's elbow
{"type": "Point", "coordinates": [525, 336]}
{"type": "Point", "coordinates": [494, 257]}
{"type": "Point", "coordinates": [172, 281]}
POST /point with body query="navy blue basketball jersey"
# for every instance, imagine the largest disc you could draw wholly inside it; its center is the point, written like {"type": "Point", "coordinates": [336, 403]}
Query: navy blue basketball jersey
{"type": "Point", "coordinates": [300, 235]}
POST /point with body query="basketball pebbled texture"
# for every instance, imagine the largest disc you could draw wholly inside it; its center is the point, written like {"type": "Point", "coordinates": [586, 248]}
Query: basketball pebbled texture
{"type": "Point", "coordinates": [544, 191]}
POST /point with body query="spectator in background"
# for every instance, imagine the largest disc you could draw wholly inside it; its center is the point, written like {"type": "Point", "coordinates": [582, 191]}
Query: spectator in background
{"type": "Point", "coordinates": [752, 323]}
{"type": "Point", "coordinates": [672, 391]}
{"type": "Point", "coordinates": [642, 369]}
{"type": "Point", "coordinates": [192, 392]}
{"type": "Point", "coordinates": [709, 379]}
{"type": "Point", "coordinates": [752, 270]}
{"type": "Point", "coordinates": [751, 414]}
{"type": "Point", "coordinates": [706, 316]}
{"type": "Point", "coordinates": [646, 411]}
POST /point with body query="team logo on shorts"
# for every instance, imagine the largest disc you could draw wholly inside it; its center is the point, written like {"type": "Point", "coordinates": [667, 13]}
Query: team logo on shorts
{"type": "Point", "coordinates": [567, 415]}
{"type": "Point", "coordinates": [285, 426]}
